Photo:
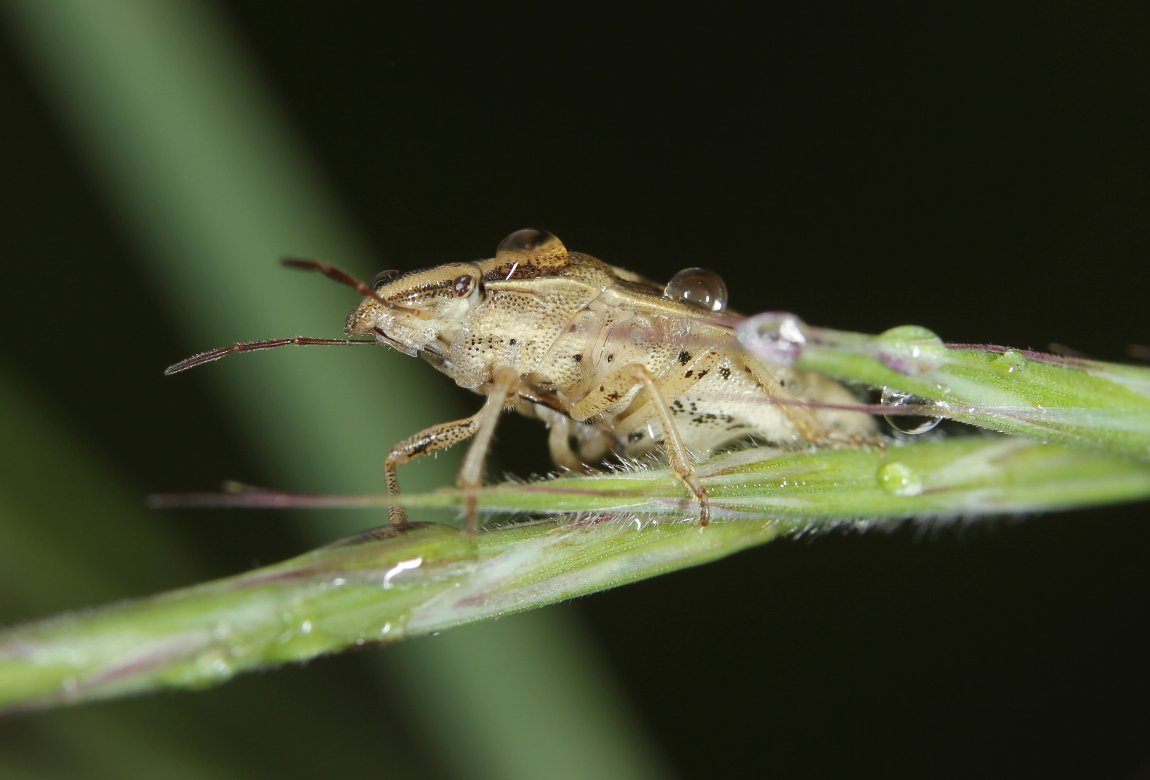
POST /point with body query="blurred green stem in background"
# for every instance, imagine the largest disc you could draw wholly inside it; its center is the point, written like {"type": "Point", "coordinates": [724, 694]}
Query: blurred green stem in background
{"type": "Point", "coordinates": [204, 174]}
{"type": "Point", "coordinates": [92, 554]}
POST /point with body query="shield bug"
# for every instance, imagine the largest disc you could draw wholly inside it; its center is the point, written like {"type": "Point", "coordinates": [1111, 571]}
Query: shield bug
{"type": "Point", "coordinates": [609, 361]}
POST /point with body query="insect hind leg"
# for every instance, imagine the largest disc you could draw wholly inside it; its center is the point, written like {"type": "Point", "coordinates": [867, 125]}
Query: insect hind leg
{"type": "Point", "coordinates": [812, 427]}
{"type": "Point", "coordinates": [613, 389]}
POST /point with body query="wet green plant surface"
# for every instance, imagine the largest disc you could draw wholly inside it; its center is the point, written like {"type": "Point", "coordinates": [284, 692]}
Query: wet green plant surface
{"type": "Point", "coordinates": [1073, 401]}
{"type": "Point", "coordinates": [608, 530]}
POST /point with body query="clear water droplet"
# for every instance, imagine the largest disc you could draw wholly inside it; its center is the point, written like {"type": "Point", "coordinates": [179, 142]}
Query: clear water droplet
{"type": "Point", "coordinates": [900, 479]}
{"type": "Point", "coordinates": [700, 288]}
{"type": "Point", "coordinates": [907, 423]}
{"type": "Point", "coordinates": [910, 349]}
{"type": "Point", "coordinates": [774, 337]}
{"type": "Point", "coordinates": [531, 241]}
{"type": "Point", "coordinates": [210, 667]}
{"type": "Point", "coordinates": [382, 278]}
{"type": "Point", "coordinates": [1009, 362]}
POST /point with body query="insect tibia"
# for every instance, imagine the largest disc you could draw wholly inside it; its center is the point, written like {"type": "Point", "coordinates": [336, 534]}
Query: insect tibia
{"type": "Point", "coordinates": [255, 346]}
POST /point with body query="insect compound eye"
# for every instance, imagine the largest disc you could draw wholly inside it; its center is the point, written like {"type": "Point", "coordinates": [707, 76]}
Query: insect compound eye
{"type": "Point", "coordinates": [463, 285]}
{"type": "Point", "coordinates": [700, 288]}
{"type": "Point", "coordinates": [381, 277]}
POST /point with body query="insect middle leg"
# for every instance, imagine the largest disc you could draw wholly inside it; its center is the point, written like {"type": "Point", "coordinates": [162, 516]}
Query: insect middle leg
{"type": "Point", "coordinates": [615, 387]}
{"type": "Point", "coordinates": [479, 427]}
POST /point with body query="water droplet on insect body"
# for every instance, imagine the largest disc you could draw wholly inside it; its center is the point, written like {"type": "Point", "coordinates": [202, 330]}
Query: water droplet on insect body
{"type": "Point", "coordinates": [382, 278]}
{"type": "Point", "coordinates": [530, 242]}
{"type": "Point", "coordinates": [900, 479]}
{"type": "Point", "coordinates": [775, 337]}
{"type": "Point", "coordinates": [907, 423]}
{"type": "Point", "coordinates": [910, 349]}
{"type": "Point", "coordinates": [700, 288]}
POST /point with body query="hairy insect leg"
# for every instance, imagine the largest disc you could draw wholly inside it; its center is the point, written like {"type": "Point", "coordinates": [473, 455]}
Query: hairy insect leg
{"type": "Point", "coordinates": [479, 427]}
{"type": "Point", "coordinates": [615, 387]}
{"type": "Point", "coordinates": [560, 430]}
{"type": "Point", "coordinates": [504, 384]}
{"type": "Point", "coordinates": [559, 443]}
{"type": "Point", "coordinates": [672, 384]}
{"type": "Point", "coordinates": [432, 439]}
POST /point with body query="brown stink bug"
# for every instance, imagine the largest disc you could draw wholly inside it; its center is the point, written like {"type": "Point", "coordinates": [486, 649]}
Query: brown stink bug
{"type": "Point", "coordinates": [611, 362]}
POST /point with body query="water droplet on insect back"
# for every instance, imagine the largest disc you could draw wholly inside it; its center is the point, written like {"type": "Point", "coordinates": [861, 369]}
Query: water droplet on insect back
{"type": "Point", "coordinates": [531, 241]}
{"type": "Point", "coordinates": [700, 288]}
{"type": "Point", "coordinates": [907, 423]}
{"type": "Point", "coordinates": [382, 278]}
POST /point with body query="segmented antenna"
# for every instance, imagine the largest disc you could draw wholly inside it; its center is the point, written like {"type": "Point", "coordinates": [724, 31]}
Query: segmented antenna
{"type": "Point", "coordinates": [255, 346]}
{"type": "Point", "coordinates": [331, 272]}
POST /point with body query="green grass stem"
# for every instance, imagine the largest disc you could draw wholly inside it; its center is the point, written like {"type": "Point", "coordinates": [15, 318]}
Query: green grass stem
{"type": "Point", "coordinates": [613, 529]}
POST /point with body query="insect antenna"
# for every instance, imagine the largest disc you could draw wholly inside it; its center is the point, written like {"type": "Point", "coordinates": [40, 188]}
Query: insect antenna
{"type": "Point", "coordinates": [331, 272]}
{"type": "Point", "coordinates": [255, 346]}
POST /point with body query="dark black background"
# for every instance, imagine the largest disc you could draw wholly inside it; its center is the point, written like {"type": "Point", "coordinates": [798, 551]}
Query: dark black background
{"type": "Point", "coordinates": [982, 172]}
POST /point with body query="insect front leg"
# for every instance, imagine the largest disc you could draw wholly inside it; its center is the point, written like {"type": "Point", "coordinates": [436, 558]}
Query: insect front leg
{"type": "Point", "coordinates": [479, 427]}
{"type": "Point", "coordinates": [435, 438]}
{"type": "Point", "coordinates": [505, 383]}
{"type": "Point", "coordinates": [615, 387]}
